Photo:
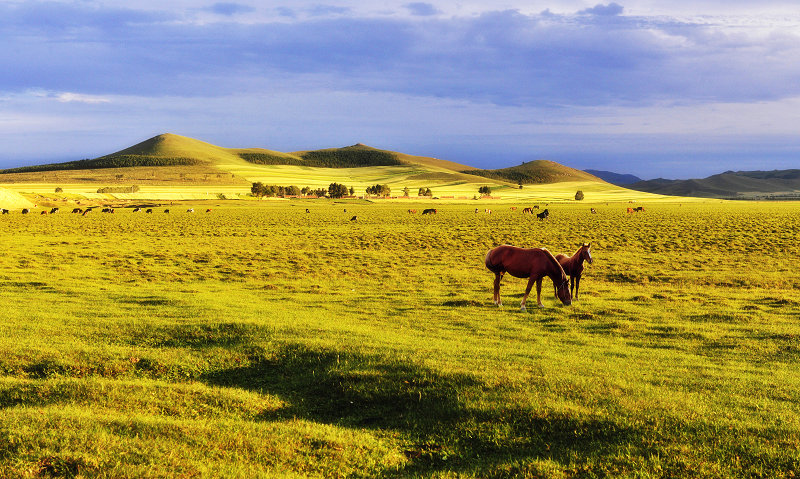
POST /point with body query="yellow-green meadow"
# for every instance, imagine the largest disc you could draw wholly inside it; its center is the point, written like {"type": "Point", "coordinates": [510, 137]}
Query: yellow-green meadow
{"type": "Point", "coordinates": [262, 340]}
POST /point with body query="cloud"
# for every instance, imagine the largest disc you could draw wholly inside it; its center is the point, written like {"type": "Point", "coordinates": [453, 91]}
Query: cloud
{"type": "Point", "coordinates": [500, 57]}
{"type": "Point", "coordinates": [230, 9]}
{"type": "Point", "coordinates": [422, 9]}
{"type": "Point", "coordinates": [610, 10]}
{"type": "Point", "coordinates": [327, 10]}
{"type": "Point", "coordinates": [67, 97]}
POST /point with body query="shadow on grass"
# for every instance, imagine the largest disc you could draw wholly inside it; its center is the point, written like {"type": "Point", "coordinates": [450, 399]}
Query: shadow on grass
{"type": "Point", "coordinates": [451, 422]}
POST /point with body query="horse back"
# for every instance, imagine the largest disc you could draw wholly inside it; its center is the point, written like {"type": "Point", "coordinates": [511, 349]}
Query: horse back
{"type": "Point", "coordinates": [518, 262]}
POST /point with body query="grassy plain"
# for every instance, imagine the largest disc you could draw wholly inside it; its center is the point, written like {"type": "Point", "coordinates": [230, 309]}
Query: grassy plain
{"type": "Point", "coordinates": [267, 341]}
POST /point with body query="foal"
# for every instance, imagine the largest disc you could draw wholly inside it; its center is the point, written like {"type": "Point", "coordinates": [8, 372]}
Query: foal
{"type": "Point", "coordinates": [573, 266]}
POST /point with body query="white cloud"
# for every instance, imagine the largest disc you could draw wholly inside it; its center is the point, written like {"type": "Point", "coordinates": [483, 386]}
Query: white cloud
{"type": "Point", "coordinates": [67, 97]}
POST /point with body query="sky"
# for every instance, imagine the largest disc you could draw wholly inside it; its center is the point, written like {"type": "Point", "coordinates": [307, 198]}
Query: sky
{"type": "Point", "coordinates": [678, 89]}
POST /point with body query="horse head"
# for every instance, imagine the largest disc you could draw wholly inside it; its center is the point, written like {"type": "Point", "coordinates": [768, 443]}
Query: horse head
{"type": "Point", "coordinates": [585, 253]}
{"type": "Point", "coordinates": [560, 279]}
{"type": "Point", "coordinates": [562, 289]}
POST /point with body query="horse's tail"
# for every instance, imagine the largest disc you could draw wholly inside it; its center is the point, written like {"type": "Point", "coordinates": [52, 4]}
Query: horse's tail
{"type": "Point", "coordinates": [494, 268]}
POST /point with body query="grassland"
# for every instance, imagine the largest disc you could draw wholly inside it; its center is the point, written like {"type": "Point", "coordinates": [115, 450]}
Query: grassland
{"type": "Point", "coordinates": [264, 341]}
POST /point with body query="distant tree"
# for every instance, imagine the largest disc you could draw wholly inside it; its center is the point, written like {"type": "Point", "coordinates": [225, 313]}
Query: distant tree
{"type": "Point", "coordinates": [292, 190]}
{"type": "Point", "coordinates": [428, 192]}
{"type": "Point", "coordinates": [258, 189]}
{"type": "Point", "coordinates": [406, 191]}
{"type": "Point", "coordinates": [421, 192]}
{"type": "Point", "coordinates": [320, 192]}
{"type": "Point", "coordinates": [579, 195]}
{"type": "Point", "coordinates": [352, 191]}
{"type": "Point", "coordinates": [485, 191]}
{"type": "Point", "coordinates": [336, 190]}
{"type": "Point", "coordinates": [379, 190]}
{"type": "Point", "coordinates": [306, 190]}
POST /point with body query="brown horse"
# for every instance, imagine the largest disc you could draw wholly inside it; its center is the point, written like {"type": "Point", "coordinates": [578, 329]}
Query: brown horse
{"type": "Point", "coordinates": [531, 263]}
{"type": "Point", "coordinates": [573, 266]}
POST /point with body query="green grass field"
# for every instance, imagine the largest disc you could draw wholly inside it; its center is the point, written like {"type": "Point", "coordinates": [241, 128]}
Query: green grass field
{"type": "Point", "coordinates": [259, 340]}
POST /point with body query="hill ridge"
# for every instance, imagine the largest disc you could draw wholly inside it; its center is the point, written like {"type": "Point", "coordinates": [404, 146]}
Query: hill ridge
{"type": "Point", "coordinates": [730, 184]}
{"type": "Point", "coordinates": [536, 172]}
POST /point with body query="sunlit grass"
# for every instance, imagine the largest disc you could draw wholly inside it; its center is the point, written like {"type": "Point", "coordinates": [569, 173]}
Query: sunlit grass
{"type": "Point", "coordinates": [270, 341]}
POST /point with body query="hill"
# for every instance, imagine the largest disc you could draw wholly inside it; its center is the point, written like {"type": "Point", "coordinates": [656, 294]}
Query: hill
{"type": "Point", "coordinates": [731, 184]}
{"type": "Point", "coordinates": [535, 172]}
{"type": "Point", "coordinates": [13, 200]}
{"type": "Point", "coordinates": [174, 167]}
{"type": "Point", "coordinates": [618, 179]}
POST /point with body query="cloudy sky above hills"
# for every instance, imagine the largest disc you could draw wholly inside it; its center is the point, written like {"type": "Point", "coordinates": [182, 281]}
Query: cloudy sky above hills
{"type": "Point", "coordinates": [685, 90]}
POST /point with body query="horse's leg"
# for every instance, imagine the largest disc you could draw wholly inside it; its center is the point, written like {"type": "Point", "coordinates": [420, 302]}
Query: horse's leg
{"type": "Point", "coordinates": [497, 278]}
{"type": "Point", "coordinates": [527, 292]}
{"type": "Point", "coordinates": [538, 293]}
{"type": "Point", "coordinates": [577, 285]}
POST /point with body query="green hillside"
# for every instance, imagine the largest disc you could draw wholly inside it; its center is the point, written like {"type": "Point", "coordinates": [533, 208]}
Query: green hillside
{"type": "Point", "coordinates": [175, 167]}
{"type": "Point", "coordinates": [13, 200]}
{"type": "Point", "coordinates": [730, 184]}
{"type": "Point", "coordinates": [536, 172]}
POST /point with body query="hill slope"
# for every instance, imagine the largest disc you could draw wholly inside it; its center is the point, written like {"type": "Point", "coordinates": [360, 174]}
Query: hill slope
{"type": "Point", "coordinates": [12, 200]}
{"type": "Point", "coordinates": [534, 172]}
{"type": "Point", "coordinates": [618, 179]}
{"type": "Point", "coordinates": [730, 184]}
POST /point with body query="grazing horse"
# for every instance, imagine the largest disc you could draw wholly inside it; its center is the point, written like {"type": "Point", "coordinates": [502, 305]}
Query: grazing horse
{"type": "Point", "coordinates": [531, 263]}
{"type": "Point", "coordinates": [528, 211]}
{"type": "Point", "coordinates": [543, 215]}
{"type": "Point", "coordinates": [166, 210]}
{"type": "Point", "coordinates": [639, 208]}
{"type": "Point", "coordinates": [429, 211]}
{"type": "Point", "coordinates": [354, 218]}
{"type": "Point", "coordinates": [53, 211]}
{"type": "Point", "coordinates": [630, 210]}
{"type": "Point", "coordinates": [149, 210]}
{"type": "Point", "coordinates": [25, 211]}
{"type": "Point", "coordinates": [411, 212]}
{"type": "Point", "coordinates": [77, 210]}
{"type": "Point", "coordinates": [5, 211]}
{"type": "Point", "coordinates": [594, 211]}
{"type": "Point", "coordinates": [573, 266]}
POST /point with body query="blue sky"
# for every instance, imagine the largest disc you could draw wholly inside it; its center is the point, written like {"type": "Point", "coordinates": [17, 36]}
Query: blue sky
{"type": "Point", "coordinates": [682, 90]}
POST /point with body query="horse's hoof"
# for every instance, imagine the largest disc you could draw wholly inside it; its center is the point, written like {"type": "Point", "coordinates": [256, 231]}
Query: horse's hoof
{"type": "Point", "coordinates": [523, 308]}
{"type": "Point", "coordinates": [540, 305]}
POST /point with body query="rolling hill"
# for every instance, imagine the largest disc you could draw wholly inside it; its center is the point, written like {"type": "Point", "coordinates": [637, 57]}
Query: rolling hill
{"type": "Point", "coordinates": [13, 200]}
{"type": "Point", "coordinates": [174, 167]}
{"type": "Point", "coordinates": [535, 172]}
{"type": "Point", "coordinates": [731, 184]}
{"type": "Point", "coordinates": [619, 179]}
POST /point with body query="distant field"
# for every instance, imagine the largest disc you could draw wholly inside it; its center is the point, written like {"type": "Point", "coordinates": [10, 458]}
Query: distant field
{"type": "Point", "coordinates": [168, 184]}
{"type": "Point", "coordinates": [259, 340]}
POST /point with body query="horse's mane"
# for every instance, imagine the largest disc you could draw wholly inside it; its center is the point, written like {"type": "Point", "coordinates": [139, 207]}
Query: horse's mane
{"type": "Point", "coordinates": [552, 259]}
{"type": "Point", "coordinates": [584, 245]}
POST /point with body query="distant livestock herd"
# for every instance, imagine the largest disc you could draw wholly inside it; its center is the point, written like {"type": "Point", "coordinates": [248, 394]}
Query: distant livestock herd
{"type": "Point", "coordinates": [84, 212]}
{"type": "Point", "coordinates": [543, 215]}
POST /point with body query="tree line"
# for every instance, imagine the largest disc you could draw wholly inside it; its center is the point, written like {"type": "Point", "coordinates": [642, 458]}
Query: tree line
{"type": "Point", "coordinates": [334, 190]}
